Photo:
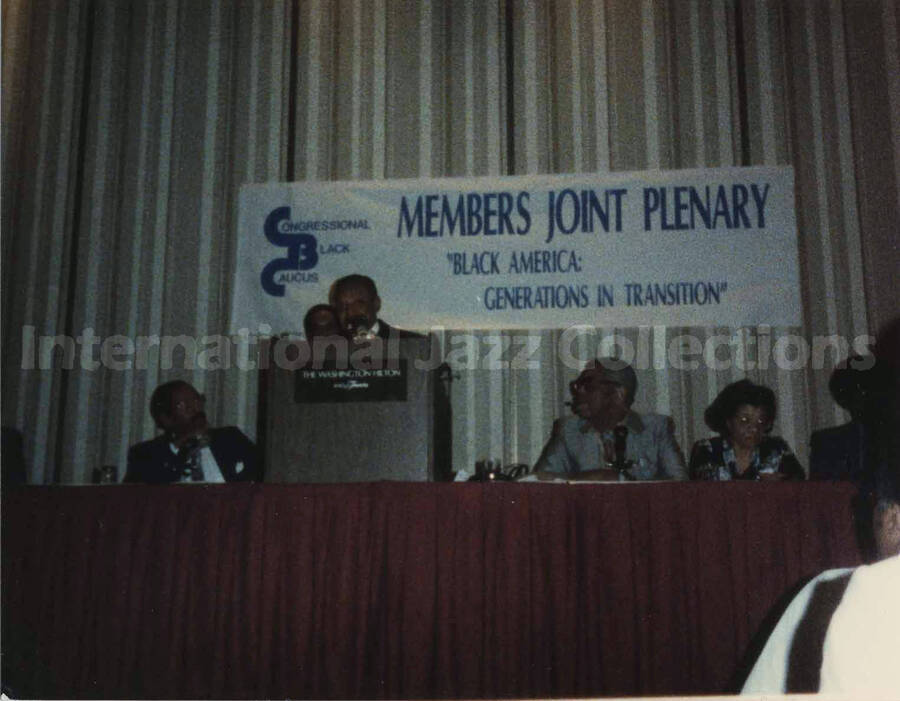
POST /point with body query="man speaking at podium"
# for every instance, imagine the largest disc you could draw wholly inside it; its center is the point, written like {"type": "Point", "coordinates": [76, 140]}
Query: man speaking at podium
{"type": "Point", "coordinates": [606, 440]}
{"type": "Point", "coordinates": [357, 303]}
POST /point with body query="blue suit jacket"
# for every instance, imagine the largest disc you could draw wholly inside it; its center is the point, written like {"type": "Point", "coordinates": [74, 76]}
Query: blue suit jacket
{"type": "Point", "coordinates": [153, 462]}
{"type": "Point", "coordinates": [839, 453]}
{"type": "Point", "coordinates": [574, 447]}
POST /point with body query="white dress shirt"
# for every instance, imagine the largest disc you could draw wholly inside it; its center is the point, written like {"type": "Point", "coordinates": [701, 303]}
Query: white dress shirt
{"type": "Point", "coordinates": [208, 465]}
{"type": "Point", "coordinates": [862, 647]}
{"type": "Point", "coordinates": [770, 673]}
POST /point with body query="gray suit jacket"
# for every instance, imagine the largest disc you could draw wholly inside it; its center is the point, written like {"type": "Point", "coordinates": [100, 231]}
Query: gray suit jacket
{"type": "Point", "coordinates": [574, 447]}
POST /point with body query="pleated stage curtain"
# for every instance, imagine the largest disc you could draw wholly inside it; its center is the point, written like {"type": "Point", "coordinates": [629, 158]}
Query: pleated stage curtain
{"type": "Point", "coordinates": [393, 590]}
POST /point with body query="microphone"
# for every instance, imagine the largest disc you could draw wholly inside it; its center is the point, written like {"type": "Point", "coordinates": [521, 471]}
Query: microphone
{"type": "Point", "coordinates": [620, 437]}
{"type": "Point", "coordinates": [358, 329]}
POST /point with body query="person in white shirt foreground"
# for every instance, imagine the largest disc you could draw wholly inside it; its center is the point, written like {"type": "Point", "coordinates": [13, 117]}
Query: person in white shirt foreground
{"type": "Point", "coordinates": [861, 653]}
{"type": "Point", "coordinates": [857, 611]}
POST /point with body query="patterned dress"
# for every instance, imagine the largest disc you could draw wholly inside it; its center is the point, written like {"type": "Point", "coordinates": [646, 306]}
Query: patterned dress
{"type": "Point", "coordinates": [714, 459]}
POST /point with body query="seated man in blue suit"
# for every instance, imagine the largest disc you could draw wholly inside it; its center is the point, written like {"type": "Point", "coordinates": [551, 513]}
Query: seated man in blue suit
{"type": "Point", "coordinates": [189, 450]}
{"type": "Point", "coordinates": [606, 440]}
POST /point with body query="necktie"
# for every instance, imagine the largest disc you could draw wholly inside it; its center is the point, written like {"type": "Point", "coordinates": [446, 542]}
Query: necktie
{"type": "Point", "coordinates": [189, 457]}
{"type": "Point", "coordinates": [196, 469]}
{"type": "Point", "coordinates": [609, 449]}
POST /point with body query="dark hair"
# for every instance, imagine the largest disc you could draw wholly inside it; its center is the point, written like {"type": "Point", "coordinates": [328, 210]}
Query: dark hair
{"type": "Point", "coordinates": [853, 380]}
{"type": "Point", "coordinates": [355, 280]}
{"type": "Point", "coordinates": [161, 399]}
{"type": "Point", "coordinates": [887, 451]}
{"type": "Point", "coordinates": [887, 481]}
{"type": "Point", "coordinates": [887, 347]}
{"type": "Point", "coordinates": [734, 395]}
{"type": "Point", "coordinates": [312, 311]}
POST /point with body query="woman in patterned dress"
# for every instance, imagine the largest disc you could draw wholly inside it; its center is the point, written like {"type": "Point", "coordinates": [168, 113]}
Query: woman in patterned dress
{"type": "Point", "coordinates": [742, 415]}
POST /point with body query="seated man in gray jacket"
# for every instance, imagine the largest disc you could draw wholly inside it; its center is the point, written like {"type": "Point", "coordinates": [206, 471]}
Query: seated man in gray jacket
{"type": "Point", "coordinates": [606, 440]}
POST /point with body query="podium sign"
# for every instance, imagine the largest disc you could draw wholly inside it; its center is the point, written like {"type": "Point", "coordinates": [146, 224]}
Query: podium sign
{"type": "Point", "coordinates": [351, 424]}
{"type": "Point", "coordinates": [317, 386]}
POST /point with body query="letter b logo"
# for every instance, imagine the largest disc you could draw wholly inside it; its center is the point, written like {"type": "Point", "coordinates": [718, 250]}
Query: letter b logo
{"type": "Point", "coordinates": [302, 253]}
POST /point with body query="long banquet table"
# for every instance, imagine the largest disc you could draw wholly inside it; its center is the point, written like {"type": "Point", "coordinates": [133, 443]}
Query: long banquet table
{"type": "Point", "coordinates": [402, 589]}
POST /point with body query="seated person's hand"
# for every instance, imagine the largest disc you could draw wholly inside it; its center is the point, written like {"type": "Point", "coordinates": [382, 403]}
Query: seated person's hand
{"type": "Point", "coordinates": [603, 474]}
{"type": "Point", "coordinates": [547, 476]}
{"type": "Point", "coordinates": [771, 476]}
{"type": "Point", "coordinates": [598, 475]}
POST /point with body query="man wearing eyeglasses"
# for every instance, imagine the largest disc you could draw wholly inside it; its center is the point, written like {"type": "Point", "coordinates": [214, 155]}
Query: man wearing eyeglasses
{"type": "Point", "coordinates": [189, 450]}
{"type": "Point", "coordinates": [606, 440]}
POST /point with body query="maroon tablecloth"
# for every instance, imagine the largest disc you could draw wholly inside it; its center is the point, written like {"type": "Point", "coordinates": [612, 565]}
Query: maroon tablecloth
{"type": "Point", "coordinates": [402, 590]}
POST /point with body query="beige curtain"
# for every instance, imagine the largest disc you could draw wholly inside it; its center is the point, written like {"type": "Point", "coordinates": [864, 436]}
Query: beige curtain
{"type": "Point", "coordinates": [128, 128]}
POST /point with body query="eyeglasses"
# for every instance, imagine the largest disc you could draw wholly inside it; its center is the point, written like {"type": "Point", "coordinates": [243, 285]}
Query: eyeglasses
{"type": "Point", "coordinates": [590, 384]}
{"type": "Point", "coordinates": [762, 423]}
{"type": "Point", "coordinates": [182, 404]}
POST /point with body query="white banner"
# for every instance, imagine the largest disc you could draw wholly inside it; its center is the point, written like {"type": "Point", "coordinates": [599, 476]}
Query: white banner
{"type": "Point", "coordinates": [676, 248]}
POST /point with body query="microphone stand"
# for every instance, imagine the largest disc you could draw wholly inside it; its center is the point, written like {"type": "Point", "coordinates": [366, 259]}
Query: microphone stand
{"type": "Point", "coordinates": [621, 465]}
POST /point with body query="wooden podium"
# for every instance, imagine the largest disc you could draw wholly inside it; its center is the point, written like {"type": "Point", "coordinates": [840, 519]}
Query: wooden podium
{"type": "Point", "coordinates": [364, 415]}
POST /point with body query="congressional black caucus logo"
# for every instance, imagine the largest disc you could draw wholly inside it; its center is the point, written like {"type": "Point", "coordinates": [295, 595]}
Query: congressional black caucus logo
{"type": "Point", "coordinates": [303, 249]}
